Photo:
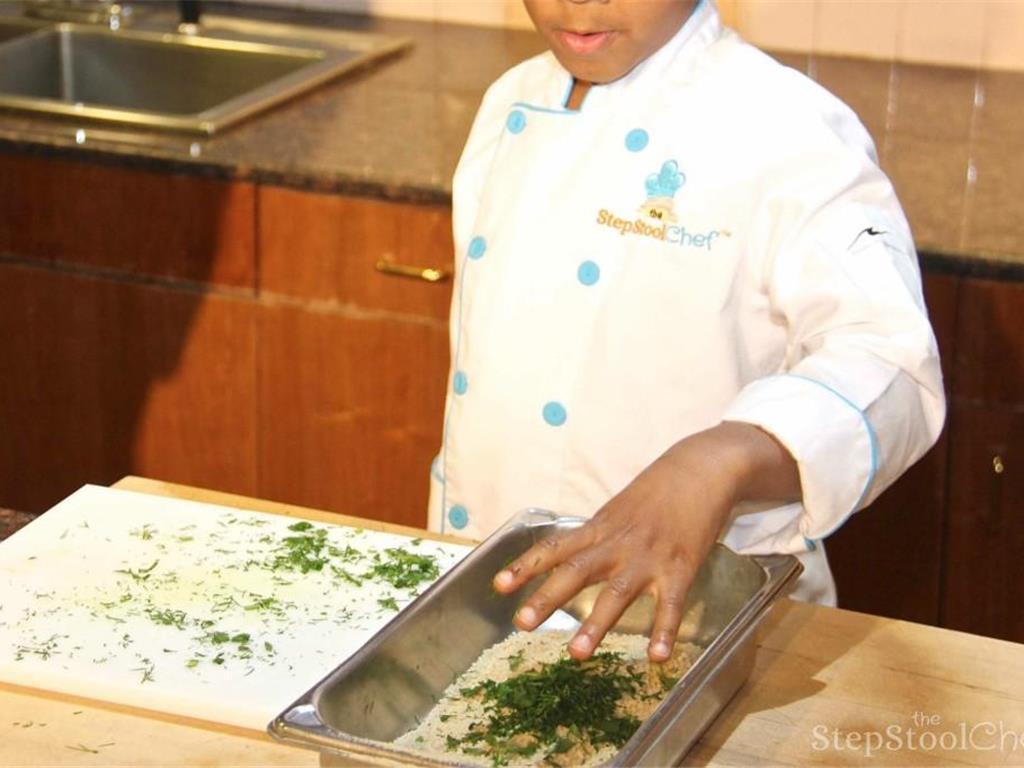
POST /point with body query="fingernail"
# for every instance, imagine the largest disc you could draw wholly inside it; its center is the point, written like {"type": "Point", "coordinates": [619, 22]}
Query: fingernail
{"type": "Point", "coordinates": [582, 643]}
{"type": "Point", "coordinates": [504, 579]}
{"type": "Point", "coordinates": [660, 649]}
{"type": "Point", "coordinates": [527, 616]}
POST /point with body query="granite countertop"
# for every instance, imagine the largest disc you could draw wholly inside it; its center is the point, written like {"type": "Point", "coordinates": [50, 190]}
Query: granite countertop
{"type": "Point", "coordinates": [950, 138]}
{"type": "Point", "coordinates": [11, 521]}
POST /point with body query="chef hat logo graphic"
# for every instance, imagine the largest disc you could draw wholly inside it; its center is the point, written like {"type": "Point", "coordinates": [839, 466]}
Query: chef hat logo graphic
{"type": "Point", "coordinates": [661, 189]}
{"type": "Point", "coordinates": [666, 182]}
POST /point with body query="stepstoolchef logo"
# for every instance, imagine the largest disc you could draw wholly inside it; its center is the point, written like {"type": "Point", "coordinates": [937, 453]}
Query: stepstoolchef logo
{"type": "Point", "coordinates": [658, 218]}
{"type": "Point", "coordinates": [925, 733]}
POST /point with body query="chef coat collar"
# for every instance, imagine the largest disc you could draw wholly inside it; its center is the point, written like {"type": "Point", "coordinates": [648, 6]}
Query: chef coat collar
{"type": "Point", "coordinates": [675, 61]}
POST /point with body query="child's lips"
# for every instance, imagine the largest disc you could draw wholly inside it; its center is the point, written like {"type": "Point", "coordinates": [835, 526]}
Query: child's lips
{"type": "Point", "coordinates": [585, 43]}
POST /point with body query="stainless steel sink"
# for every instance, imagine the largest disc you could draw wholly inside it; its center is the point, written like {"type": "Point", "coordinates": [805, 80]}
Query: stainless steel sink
{"type": "Point", "coordinates": [195, 83]}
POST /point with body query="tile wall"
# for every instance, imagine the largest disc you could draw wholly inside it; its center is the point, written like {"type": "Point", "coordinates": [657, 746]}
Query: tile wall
{"type": "Point", "coordinates": [968, 33]}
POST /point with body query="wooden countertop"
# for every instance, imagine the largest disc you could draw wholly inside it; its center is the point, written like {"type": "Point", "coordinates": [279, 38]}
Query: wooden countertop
{"type": "Point", "coordinates": [829, 687]}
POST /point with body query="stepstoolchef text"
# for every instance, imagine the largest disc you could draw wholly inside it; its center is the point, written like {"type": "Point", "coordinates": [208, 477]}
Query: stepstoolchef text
{"type": "Point", "coordinates": [925, 734]}
{"type": "Point", "coordinates": [668, 233]}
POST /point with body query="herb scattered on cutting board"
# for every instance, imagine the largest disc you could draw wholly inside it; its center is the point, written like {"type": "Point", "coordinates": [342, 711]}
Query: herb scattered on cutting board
{"type": "Point", "coordinates": [402, 569]}
{"type": "Point", "coordinates": [223, 595]}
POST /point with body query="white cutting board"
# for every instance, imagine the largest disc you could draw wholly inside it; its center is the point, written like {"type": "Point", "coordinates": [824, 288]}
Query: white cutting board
{"type": "Point", "coordinates": [84, 610]}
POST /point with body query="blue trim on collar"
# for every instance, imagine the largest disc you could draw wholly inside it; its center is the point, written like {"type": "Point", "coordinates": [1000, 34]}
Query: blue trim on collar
{"type": "Point", "coordinates": [548, 110]}
{"type": "Point", "coordinates": [568, 93]}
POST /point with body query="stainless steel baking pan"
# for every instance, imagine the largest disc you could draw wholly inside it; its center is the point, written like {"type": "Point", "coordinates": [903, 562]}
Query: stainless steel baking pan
{"type": "Point", "coordinates": [387, 686]}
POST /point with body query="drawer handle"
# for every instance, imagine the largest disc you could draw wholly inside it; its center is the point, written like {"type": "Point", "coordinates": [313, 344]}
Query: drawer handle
{"type": "Point", "coordinates": [428, 274]}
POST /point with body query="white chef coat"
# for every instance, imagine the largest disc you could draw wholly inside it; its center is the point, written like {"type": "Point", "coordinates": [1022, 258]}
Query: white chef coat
{"type": "Point", "coordinates": [708, 238]}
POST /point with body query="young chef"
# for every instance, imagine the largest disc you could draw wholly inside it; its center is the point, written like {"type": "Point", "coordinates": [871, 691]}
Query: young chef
{"type": "Point", "coordinates": [687, 305]}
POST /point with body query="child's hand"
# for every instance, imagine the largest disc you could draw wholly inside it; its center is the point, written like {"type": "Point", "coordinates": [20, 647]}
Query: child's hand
{"type": "Point", "coordinates": [654, 535]}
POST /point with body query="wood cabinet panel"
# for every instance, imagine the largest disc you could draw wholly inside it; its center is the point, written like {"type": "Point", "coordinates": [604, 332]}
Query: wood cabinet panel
{"type": "Point", "coordinates": [887, 559]}
{"type": "Point", "coordinates": [990, 352]}
{"type": "Point", "coordinates": [190, 359]}
{"type": "Point", "coordinates": [983, 584]}
{"type": "Point", "coordinates": [52, 427]}
{"type": "Point", "coordinates": [350, 411]}
{"type": "Point", "coordinates": [139, 222]}
{"type": "Point", "coordinates": [106, 378]}
{"type": "Point", "coordinates": [942, 297]}
{"type": "Point", "coordinates": [325, 247]}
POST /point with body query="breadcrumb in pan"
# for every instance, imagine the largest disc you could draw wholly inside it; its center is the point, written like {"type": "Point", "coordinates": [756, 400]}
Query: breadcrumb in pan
{"type": "Point", "coordinates": [525, 702]}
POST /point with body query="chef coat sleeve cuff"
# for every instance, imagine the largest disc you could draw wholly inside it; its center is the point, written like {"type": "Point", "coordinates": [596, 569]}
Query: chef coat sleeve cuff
{"type": "Point", "coordinates": [829, 437]}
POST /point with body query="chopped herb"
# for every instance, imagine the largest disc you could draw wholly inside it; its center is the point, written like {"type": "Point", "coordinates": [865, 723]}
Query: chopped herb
{"type": "Point", "coordinates": [347, 555]}
{"type": "Point", "coordinates": [516, 660]}
{"type": "Point", "coordinates": [263, 604]}
{"type": "Point", "coordinates": [346, 576]}
{"type": "Point", "coordinates": [404, 570]}
{"type": "Point", "coordinates": [140, 575]}
{"type": "Point", "coordinates": [147, 671]}
{"type": "Point", "coordinates": [302, 553]}
{"type": "Point", "coordinates": [145, 532]}
{"type": "Point", "coordinates": [82, 748]}
{"type": "Point", "coordinates": [563, 701]}
{"type": "Point", "coordinates": [168, 617]}
{"type": "Point", "coordinates": [224, 603]}
{"type": "Point", "coordinates": [388, 602]}
{"type": "Point", "coordinates": [667, 681]}
{"type": "Point", "coordinates": [43, 650]}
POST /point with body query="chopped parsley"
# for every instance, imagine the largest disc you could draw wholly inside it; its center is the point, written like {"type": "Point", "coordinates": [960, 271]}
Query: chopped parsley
{"type": "Point", "coordinates": [308, 551]}
{"type": "Point", "coordinates": [402, 569]}
{"type": "Point", "coordinates": [552, 709]}
{"type": "Point", "coordinates": [168, 617]}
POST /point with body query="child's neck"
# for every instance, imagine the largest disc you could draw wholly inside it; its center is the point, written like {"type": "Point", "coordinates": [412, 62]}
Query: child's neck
{"type": "Point", "coordinates": [577, 94]}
